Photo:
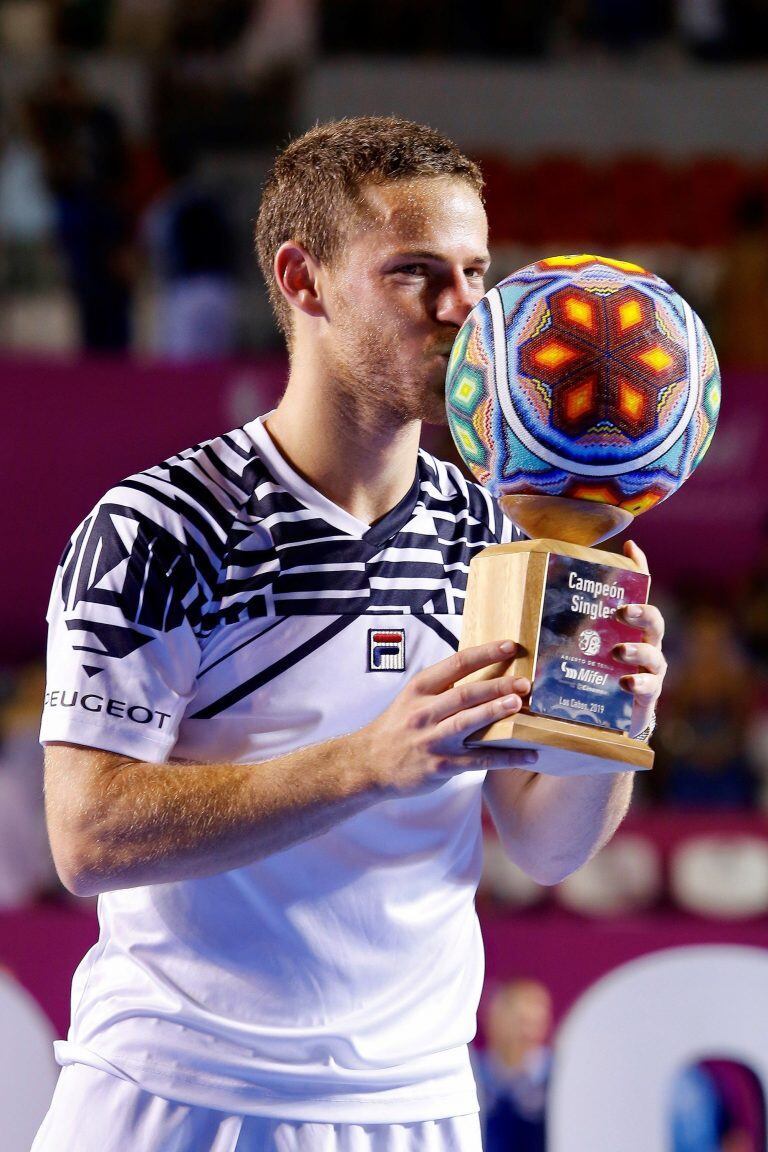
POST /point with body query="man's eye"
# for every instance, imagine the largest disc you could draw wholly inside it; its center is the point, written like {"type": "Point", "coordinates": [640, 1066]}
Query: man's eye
{"type": "Point", "coordinates": [475, 274]}
{"type": "Point", "coordinates": [413, 269]}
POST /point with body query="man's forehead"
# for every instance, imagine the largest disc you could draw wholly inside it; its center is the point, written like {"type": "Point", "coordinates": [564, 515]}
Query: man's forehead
{"type": "Point", "coordinates": [423, 211]}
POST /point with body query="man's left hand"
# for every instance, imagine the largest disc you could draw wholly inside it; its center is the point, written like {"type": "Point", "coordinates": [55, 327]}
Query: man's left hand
{"type": "Point", "coordinates": [645, 652]}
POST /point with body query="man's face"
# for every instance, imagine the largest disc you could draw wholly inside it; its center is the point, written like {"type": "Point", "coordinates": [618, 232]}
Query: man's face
{"type": "Point", "coordinates": [409, 274]}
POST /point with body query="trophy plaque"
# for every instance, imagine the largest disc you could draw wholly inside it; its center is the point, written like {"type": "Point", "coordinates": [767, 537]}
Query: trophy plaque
{"type": "Point", "coordinates": [581, 391]}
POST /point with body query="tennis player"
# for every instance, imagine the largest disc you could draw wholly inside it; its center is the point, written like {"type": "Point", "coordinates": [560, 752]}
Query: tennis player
{"type": "Point", "coordinates": [253, 729]}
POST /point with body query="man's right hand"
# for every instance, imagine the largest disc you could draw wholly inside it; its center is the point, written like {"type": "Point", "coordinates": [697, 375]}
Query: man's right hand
{"type": "Point", "coordinates": [419, 739]}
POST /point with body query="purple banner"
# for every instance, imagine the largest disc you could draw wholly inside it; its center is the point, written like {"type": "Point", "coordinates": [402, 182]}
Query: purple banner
{"type": "Point", "coordinates": [77, 427]}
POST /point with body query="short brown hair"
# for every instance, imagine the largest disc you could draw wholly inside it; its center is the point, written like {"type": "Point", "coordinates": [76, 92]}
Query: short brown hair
{"type": "Point", "coordinates": [315, 185]}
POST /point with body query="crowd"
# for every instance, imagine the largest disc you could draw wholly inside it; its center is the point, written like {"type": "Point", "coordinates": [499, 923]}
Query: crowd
{"type": "Point", "coordinates": [148, 243]}
{"type": "Point", "coordinates": [103, 200]}
{"type": "Point", "coordinates": [712, 740]}
{"type": "Point", "coordinates": [709, 30]}
{"type": "Point", "coordinates": [114, 216]}
{"type": "Point", "coordinates": [82, 199]}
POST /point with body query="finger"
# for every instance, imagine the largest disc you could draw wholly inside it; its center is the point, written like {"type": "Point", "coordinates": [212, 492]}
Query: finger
{"type": "Point", "coordinates": [633, 552]}
{"type": "Point", "coordinates": [454, 730]}
{"type": "Point", "coordinates": [648, 618]}
{"type": "Point", "coordinates": [645, 657]}
{"type": "Point", "coordinates": [488, 760]}
{"type": "Point", "coordinates": [463, 696]}
{"type": "Point", "coordinates": [644, 686]}
{"type": "Point", "coordinates": [445, 673]}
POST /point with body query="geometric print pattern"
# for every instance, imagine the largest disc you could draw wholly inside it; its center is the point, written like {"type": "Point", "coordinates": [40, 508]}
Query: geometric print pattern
{"type": "Point", "coordinates": [583, 377]}
{"type": "Point", "coordinates": [414, 560]}
{"type": "Point", "coordinates": [604, 362]}
{"type": "Point", "coordinates": [210, 537]}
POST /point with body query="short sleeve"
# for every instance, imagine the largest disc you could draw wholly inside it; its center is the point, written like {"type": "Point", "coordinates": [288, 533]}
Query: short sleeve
{"type": "Point", "coordinates": [123, 619]}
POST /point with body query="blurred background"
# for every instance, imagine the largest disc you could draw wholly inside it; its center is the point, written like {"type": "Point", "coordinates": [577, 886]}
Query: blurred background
{"type": "Point", "coordinates": [134, 137]}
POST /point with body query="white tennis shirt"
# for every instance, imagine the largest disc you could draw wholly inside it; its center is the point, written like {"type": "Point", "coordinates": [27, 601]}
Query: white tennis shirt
{"type": "Point", "coordinates": [216, 608]}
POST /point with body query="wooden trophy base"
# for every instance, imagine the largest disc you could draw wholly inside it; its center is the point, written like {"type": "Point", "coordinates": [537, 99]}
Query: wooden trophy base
{"type": "Point", "coordinates": [506, 594]}
{"type": "Point", "coordinates": [566, 749]}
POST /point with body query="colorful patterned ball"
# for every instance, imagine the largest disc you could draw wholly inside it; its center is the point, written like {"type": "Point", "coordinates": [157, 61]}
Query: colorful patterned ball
{"type": "Point", "coordinates": [583, 377]}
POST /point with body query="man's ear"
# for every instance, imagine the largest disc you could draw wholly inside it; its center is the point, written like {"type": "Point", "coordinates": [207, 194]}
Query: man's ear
{"type": "Point", "coordinates": [296, 273]}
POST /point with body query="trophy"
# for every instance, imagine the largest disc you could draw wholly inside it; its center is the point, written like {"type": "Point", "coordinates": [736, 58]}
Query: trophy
{"type": "Point", "coordinates": [581, 391]}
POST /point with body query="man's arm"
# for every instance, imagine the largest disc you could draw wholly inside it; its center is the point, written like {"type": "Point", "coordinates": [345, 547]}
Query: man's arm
{"type": "Point", "coordinates": [551, 825]}
{"type": "Point", "coordinates": [115, 822]}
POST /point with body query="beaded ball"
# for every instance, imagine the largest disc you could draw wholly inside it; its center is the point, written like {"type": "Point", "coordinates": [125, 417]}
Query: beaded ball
{"type": "Point", "coordinates": [584, 377]}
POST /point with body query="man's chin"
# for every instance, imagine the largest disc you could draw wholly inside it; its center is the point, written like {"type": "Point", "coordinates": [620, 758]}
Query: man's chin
{"type": "Point", "coordinates": [424, 397]}
{"type": "Point", "coordinates": [434, 401]}
{"type": "Point", "coordinates": [436, 414]}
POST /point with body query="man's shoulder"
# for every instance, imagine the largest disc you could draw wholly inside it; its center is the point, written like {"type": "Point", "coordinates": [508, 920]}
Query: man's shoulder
{"type": "Point", "coordinates": [228, 467]}
{"type": "Point", "coordinates": [202, 487]}
{"type": "Point", "coordinates": [174, 521]}
{"type": "Point", "coordinates": [184, 509]}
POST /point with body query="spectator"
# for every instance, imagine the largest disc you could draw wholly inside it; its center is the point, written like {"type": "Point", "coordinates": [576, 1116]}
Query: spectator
{"type": "Point", "coordinates": [280, 35]}
{"type": "Point", "coordinates": [191, 249]}
{"type": "Point", "coordinates": [703, 27]}
{"type": "Point", "coordinates": [81, 24]}
{"type": "Point", "coordinates": [513, 1070]}
{"type": "Point", "coordinates": [208, 26]}
{"type": "Point", "coordinates": [26, 209]}
{"type": "Point", "coordinates": [87, 167]}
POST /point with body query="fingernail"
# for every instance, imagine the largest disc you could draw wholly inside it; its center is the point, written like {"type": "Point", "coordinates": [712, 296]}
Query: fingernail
{"type": "Point", "coordinates": [628, 683]}
{"type": "Point", "coordinates": [628, 650]}
{"type": "Point", "coordinates": [512, 702]}
{"type": "Point", "coordinates": [529, 756]}
{"type": "Point", "coordinates": [632, 611]}
{"type": "Point", "coordinates": [507, 646]}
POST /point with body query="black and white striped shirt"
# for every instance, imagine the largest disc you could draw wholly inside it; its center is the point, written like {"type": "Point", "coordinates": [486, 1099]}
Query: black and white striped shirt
{"type": "Point", "coordinates": [216, 608]}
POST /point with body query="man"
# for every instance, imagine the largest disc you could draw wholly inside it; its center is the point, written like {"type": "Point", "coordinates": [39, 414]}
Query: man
{"type": "Point", "coordinates": [255, 735]}
{"type": "Point", "coordinates": [514, 1067]}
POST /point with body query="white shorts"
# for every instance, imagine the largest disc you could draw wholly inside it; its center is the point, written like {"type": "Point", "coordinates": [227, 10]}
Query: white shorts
{"type": "Point", "coordinates": [92, 1111]}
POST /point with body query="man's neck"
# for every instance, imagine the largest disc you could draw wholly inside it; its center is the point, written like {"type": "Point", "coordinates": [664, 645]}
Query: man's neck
{"type": "Point", "coordinates": [362, 460]}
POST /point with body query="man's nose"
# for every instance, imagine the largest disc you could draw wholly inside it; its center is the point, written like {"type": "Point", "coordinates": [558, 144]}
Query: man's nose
{"type": "Point", "coordinates": [455, 301]}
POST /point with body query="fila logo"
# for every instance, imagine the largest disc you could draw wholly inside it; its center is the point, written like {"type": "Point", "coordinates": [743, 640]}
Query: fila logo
{"type": "Point", "coordinates": [386, 650]}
